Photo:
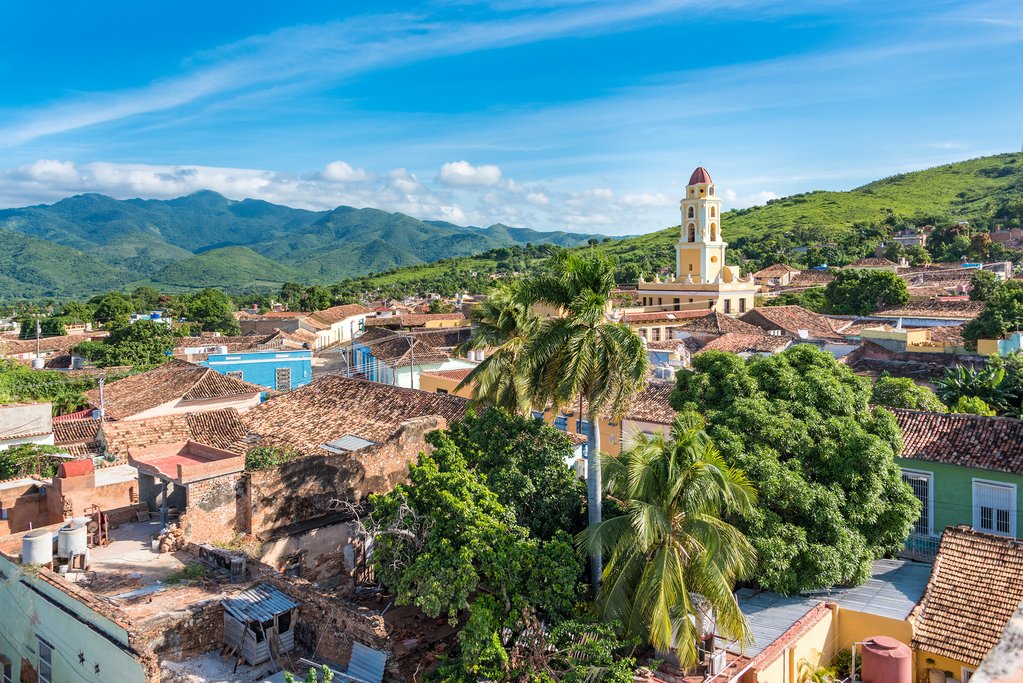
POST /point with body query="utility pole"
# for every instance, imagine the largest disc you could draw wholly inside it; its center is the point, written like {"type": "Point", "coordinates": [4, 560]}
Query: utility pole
{"type": "Point", "coordinates": [38, 334]}
{"type": "Point", "coordinates": [102, 407]}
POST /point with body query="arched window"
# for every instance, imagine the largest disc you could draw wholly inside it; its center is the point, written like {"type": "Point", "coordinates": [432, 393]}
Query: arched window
{"type": "Point", "coordinates": [713, 211]}
{"type": "Point", "coordinates": [692, 232]}
{"type": "Point", "coordinates": [711, 191]}
{"type": "Point", "coordinates": [692, 212]}
{"type": "Point", "coordinates": [713, 232]}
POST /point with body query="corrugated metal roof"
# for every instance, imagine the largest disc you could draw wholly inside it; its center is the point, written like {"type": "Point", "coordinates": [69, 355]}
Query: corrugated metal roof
{"type": "Point", "coordinates": [347, 443]}
{"type": "Point", "coordinates": [259, 603]}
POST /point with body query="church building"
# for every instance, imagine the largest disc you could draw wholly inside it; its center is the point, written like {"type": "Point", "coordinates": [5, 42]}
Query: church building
{"type": "Point", "coordinates": [702, 281]}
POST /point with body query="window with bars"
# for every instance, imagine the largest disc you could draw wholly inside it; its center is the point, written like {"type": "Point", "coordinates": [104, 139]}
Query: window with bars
{"type": "Point", "coordinates": [582, 427]}
{"type": "Point", "coordinates": [922, 485]}
{"type": "Point", "coordinates": [283, 379]}
{"type": "Point", "coordinates": [994, 507]}
{"type": "Point", "coordinates": [561, 423]}
{"type": "Point", "coordinates": [45, 661]}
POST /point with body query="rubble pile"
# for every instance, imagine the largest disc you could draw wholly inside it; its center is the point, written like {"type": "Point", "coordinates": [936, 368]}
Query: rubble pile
{"type": "Point", "coordinates": [172, 538]}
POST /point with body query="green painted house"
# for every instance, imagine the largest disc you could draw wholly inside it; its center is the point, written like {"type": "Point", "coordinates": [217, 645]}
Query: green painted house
{"type": "Point", "coordinates": [964, 469]}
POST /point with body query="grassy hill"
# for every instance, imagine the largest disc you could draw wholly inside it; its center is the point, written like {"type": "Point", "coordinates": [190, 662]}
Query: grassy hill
{"type": "Point", "coordinates": [230, 268]}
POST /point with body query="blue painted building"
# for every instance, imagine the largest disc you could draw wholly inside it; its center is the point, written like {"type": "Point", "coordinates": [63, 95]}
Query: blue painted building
{"type": "Point", "coordinates": [278, 370]}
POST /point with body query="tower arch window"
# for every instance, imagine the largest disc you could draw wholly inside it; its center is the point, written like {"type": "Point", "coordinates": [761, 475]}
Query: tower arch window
{"type": "Point", "coordinates": [711, 191]}
{"type": "Point", "coordinates": [713, 232]}
{"type": "Point", "coordinates": [692, 212]}
{"type": "Point", "coordinates": [692, 232]}
{"type": "Point", "coordinates": [713, 211]}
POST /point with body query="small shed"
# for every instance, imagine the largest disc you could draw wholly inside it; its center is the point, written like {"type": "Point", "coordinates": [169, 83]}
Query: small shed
{"type": "Point", "coordinates": [259, 624]}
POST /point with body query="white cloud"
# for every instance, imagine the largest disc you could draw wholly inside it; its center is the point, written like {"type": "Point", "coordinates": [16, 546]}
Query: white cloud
{"type": "Point", "coordinates": [403, 181]}
{"type": "Point", "coordinates": [538, 199]}
{"type": "Point", "coordinates": [464, 173]}
{"type": "Point", "coordinates": [343, 172]}
{"type": "Point", "coordinates": [761, 197]}
{"type": "Point", "coordinates": [648, 199]}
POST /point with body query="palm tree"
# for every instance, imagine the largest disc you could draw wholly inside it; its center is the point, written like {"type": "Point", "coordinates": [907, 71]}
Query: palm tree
{"type": "Point", "coordinates": [502, 324]}
{"type": "Point", "coordinates": [578, 354]}
{"type": "Point", "coordinates": [670, 551]}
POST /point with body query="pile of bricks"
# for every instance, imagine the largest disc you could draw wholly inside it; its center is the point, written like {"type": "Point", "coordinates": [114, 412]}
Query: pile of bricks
{"type": "Point", "coordinates": [172, 538]}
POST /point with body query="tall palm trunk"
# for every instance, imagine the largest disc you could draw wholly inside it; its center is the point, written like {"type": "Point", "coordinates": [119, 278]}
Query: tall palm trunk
{"type": "Point", "coordinates": [594, 488]}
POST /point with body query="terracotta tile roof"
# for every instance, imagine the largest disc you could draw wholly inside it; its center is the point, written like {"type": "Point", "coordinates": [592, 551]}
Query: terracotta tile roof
{"type": "Point", "coordinates": [75, 431]}
{"type": "Point", "coordinates": [299, 336]}
{"type": "Point", "coordinates": [989, 443]}
{"type": "Point", "coordinates": [735, 342]}
{"type": "Point", "coordinates": [791, 320]}
{"type": "Point", "coordinates": [176, 380]}
{"type": "Point", "coordinates": [334, 406]}
{"type": "Point", "coordinates": [271, 315]}
{"type": "Point", "coordinates": [412, 319]}
{"type": "Point", "coordinates": [975, 587]}
{"type": "Point", "coordinates": [776, 270]}
{"type": "Point", "coordinates": [47, 345]}
{"type": "Point", "coordinates": [395, 350]}
{"type": "Point", "coordinates": [83, 450]}
{"type": "Point", "coordinates": [949, 334]}
{"type": "Point", "coordinates": [217, 428]}
{"type": "Point", "coordinates": [663, 316]}
{"type": "Point", "coordinates": [336, 314]}
{"type": "Point", "coordinates": [445, 338]}
{"type": "Point", "coordinates": [935, 309]}
{"type": "Point", "coordinates": [459, 374]}
{"type": "Point", "coordinates": [651, 404]}
{"type": "Point", "coordinates": [872, 263]}
{"type": "Point", "coordinates": [716, 322]}
{"type": "Point", "coordinates": [811, 278]}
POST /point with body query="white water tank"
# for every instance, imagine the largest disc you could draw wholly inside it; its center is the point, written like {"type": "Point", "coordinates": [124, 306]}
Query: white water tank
{"type": "Point", "coordinates": [37, 547]}
{"type": "Point", "coordinates": [73, 538]}
{"type": "Point", "coordinates": [38, 363]}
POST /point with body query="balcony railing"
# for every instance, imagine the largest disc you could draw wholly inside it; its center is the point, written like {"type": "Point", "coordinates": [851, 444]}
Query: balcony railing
{"type": "Point", "coordinates": [920, 548]}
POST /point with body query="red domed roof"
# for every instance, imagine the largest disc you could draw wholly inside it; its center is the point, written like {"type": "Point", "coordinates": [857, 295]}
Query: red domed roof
{"type": "Point", "coordinates": [700, 175]}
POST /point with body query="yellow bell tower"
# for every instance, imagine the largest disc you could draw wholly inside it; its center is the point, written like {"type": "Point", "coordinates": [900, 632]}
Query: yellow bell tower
{"type": "Point", "coordinates": [700, 252]}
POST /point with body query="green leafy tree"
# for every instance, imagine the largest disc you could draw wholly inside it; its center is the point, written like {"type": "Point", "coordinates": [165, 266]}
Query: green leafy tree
{"type": "Point", "coordinates": [902, 392]}
{"type": "Point", "coordinates": [671, 554]}
{"type": "Point", "coordinates": [811, 299]}
{"type": "Point", "coordinates": [861, 292]}
{"type": "Point", "coordinates": [48, 327]}
{"type": "Point", "coordinates": [19, 383]}
{"type": "Point", "coordinates": [113, 307]}
{"type": "Point", "coordinates": [440, 306]}
{"type": "Point", "coordinates": [502, 324]}
{"type": "Point", "coordinates": [445, 543]}
{"type": "Point", "coordinates": [76, 312]}
{"type": "Point", "coordinates": [986, 383]}
{"type": "Point", "coordinates": [142, 343]}
{"type": "Point", "coordinates": [894, 251]}
{"type": "Point", "coordinates": [918, 255]}
{"type": "Point", "coordinates": [214, 310]}
{"type": "Point", "coordinates": [580, 355]}
{"type": "Point", "coordinates": [972, 405]}
{"type": "Point", "coordinates": [1002, 314]}
{"type": "Point", "coordinates": [146, 297]}
{"type": "Point", "coordinates": [523, 461]}
{"type": "Point", "coordinates": [25, 459]}
{"type": "Point", "coordinates": [317, 298]}
{"type": "Point", "coordinates": [267, 457]}
{"type": "Point", "coordinates": [983, 284]}
{"type": "Point", "coordinates": [799, 424]}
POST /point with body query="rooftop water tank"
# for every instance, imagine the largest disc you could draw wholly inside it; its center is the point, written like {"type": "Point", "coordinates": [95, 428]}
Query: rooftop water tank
{"type": "Point", "coordinates": [37, 547]}
{"type": "Point", "coordinates": [886, 660]}
{"type": "Point", "coordinates": [73, 538]}
{"type": "Point", "coordinates": [38, 363]}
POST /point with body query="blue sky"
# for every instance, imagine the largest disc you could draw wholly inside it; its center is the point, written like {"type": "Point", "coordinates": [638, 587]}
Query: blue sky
{"type": "Point", "coordinates": [554, 114]}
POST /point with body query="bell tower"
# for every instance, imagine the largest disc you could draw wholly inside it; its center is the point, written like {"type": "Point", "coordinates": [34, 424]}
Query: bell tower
{"type": "Point", "coordinates": [700, 252]}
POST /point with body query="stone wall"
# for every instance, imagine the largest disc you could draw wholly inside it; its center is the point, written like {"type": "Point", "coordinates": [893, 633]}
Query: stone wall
{"type": "Point", "coordinates": [193, 630]}
{"type": "Point", "coordinates": [212, 510]}
{"type": "Point", "coordinates": [298, 495]}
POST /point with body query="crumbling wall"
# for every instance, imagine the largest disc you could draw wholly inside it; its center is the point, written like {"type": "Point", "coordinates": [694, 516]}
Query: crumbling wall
{"type": "Point", "coordinates": [298, 495]}
{"type": "Point", "coordinates": [212, 509]}
{"type": "Point", "coordinates": [320, 553]}
{"type": "Point", "coordinates": [193, 630]}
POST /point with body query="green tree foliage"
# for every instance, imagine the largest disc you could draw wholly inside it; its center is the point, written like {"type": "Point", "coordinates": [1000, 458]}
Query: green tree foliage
{"type": "Point", "coordinates": [29, 458]}
{"type": "Point", "coordinates": [811, 299]}
{"type": "Point", "coordinates": [799, 424]}
{"type": "Point", "coordinates": [214, 310]}
{"type": "Point", "coordinates": [671, 554]}
{"type": "Point", "coordinates": [48, 327]}
{"type": "Point", "coordinates": [502, 324]}
{"type": "Point", "coordinates": [972, 405]}
{"type": "Point", "coordinates": [1002, 314]}
{"type": "Point", "coordinates": [917, 255]}
{"type": "Point", "coordinates": [147, 297]}
{"type": "Point", "coordinates": [986, 383]}
{"type": "Point", "coordinates": [983, 284]}
{"type": "Point", "coordinates": [19, 383]}
{"type": "Point", "coordinates": [139, 344]}
{"type": "Point", "coordinates": [580, 355]}
{"type": "Point", "coordinates": [523, 462]}
{"type": "Point", "coordinates": [441, 306]}
{"type": "Point", "coordinates": [113, 307]}
{"type": "Point", "coordinates": [445, 543]}
{"type": "Point", "coordinates": [902, 392]}
{"type": "Point", "coordinates": [267, 457]}
{"type": "Point", "coordinates": [861, 292]}
{"type": "Point", "coordinates": [76, 312]}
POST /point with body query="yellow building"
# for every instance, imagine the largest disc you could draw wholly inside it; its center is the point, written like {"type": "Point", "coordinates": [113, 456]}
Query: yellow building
{"type": "Point", "coordinates": [701, 279]}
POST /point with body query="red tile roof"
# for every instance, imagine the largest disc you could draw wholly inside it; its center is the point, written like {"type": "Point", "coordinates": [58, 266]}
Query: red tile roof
{"type": "Point", "coordinates": [75, 431]}
{"type": "Point", "coordinates": [961, 310]}
{"type": "Point", "coordinates": [700, 175]}
{"type": "Point", "coordinates": [217, 428]}
{"type": "Point", "coordinates": [716, 322]}
{"type": "Point", "coordinates": [663, 316]}
{"type": "Point", "coordinates": [792, 319]}
{"type": "Point", "coordinates": [776, 270]}
{"type": "Point", "coordinates": [872, 263]}
{"type": "Point", "coordinates": [975, 587]}
{"type": "Point", "coordinates": [459, 374]}
{"type": "Point", "coordinates": [336, 314]}
{"type": "Point", "coordinates": [734, 342]}
{"type": "Point", "coordinates": [651, 404]}
{"type": "Point", "coordinates": [398, 350]}
{"type": "Point", "coordinates": [334, 406]}
{"type": "Point", "coordinates": [989, 443]}
{"type": "Point", "coordinates": [176, 380]}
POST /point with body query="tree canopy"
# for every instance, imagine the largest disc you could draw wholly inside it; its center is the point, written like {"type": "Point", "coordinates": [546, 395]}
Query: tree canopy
{"type": "Point", "coordinates": [798, 424]}
{"type": "Point", "coordinates": [856, 291]}
{"type": "Point", "coordinates": [141, 343]}
{"type": "Point", "coordinates": [1002, 314]}
{"type": "Point", "coordinates": [902, 392]}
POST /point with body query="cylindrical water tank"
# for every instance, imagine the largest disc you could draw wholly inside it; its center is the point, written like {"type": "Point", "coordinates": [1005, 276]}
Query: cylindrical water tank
{"type": "Point", "coordinates": [886, 660]}
{"type": "Point", "coordinates": [73, 539]}
{"type": "Point", "coordinates": [37, 547]}
{"type": "Point", "coordinates": [38, 363]}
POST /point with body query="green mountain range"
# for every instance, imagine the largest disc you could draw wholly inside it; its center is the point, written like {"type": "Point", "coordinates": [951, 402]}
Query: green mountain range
{"type": "Point", "coordinates": [90, 243]}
